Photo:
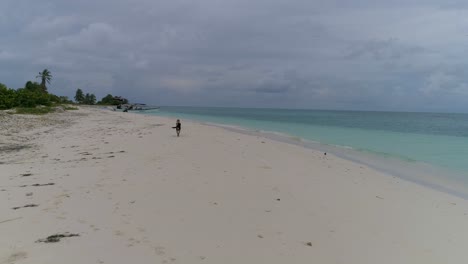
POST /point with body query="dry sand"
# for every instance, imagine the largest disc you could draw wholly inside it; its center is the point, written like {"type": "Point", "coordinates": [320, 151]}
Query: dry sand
{"type": "Point", "coordinates": [135, 193]}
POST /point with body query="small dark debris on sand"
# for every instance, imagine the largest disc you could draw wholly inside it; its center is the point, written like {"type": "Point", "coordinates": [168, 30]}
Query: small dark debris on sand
{"type": "Point", "coordinates": [13, 148]}
{"type": "Point", "coordinates": [45, 184]}
{"type": "Point", "coordinates": [112, 156]}
{"type": "Point", "coordinates": [122, 151]}
{"type": "Point", "coordinates": [26, 174]}
{"type": "Point", "coordinates": [25, 206]}
{"type": "Point", "coordinates": [37, 185]}
{"type": "Point", "coordinates": [56, 238]}
{"type": "Point", "coordinates": [278, 199]}
{"type": "Point", "coordinates": [308, 244]}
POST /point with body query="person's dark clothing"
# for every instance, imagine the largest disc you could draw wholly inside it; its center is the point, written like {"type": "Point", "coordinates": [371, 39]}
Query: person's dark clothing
{"type": "Point", "coordinates": [178, 127]}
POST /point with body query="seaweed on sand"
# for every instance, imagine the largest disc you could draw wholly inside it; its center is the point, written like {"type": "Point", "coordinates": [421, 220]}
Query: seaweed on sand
{"type": "Point", "coordinates": [56, 238]}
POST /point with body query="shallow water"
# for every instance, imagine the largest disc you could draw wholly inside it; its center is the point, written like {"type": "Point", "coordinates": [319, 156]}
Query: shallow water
{"type": "Point", "coordinates": [440, 139]}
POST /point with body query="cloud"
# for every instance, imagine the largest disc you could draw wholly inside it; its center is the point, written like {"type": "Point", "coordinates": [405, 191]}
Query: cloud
{"type": "Point", "coordinates": [383, 50]}
{"type": "Point", "coordinates": [357, 54]}
{"type": "Point", "coordinates": [94, 37]}
{"type": "Point", "coordinates": [50, 26]}
{"type": "Point", "coordinates": [441, 83]}
{"type": "Point", "coordinates": [5, 55]}
{"type": "Point", "coordinates": [183, 85]}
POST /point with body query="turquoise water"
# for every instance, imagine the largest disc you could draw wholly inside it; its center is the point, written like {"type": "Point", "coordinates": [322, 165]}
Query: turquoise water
{"type": "Point", "coordinates": [439, 139]}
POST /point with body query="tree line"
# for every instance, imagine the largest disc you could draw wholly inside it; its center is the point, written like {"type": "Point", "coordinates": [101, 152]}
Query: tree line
{"type": "Point", "coordinates": [90, 99]}
{"type": "Point", "coordinates": [35, 94]}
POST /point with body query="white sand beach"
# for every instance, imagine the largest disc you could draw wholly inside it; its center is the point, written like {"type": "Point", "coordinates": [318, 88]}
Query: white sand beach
{"type": "Point", "coordinates": [133, 192]}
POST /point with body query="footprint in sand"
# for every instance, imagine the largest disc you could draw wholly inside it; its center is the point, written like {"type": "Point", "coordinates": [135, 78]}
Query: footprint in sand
{"type": "Point", "coordinates": [160, 251]}
{"type": "Point", "coordinates": [170, 260]}
{"type": "Point", "coordinates": [13, 258]}
{"type": "Point", "coordinates": [118, 233]}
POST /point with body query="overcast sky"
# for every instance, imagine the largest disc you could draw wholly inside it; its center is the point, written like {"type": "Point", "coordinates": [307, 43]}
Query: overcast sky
{"type": "Point", "coordinates": [321, 54]}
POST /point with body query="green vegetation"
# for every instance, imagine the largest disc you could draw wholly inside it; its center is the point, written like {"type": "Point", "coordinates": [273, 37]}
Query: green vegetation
{"type": "Point", "coordinates": [45, 76]}
{"type": "Point", "coordinates": [7, 97]}
{"type": "Point", "coordinates": [112, 100]}
{"type": "Point", "coordinates": [71, 108]}
{"type": "Point", "coordinates": [10, 98]}
{"type": "Point", "coordinates": [27, 99]}
{"type": "Point", "coordinates": [34, 111]}
{"type": "Point", "coordinates": [88, 99]}
{"type": "Point", "coordinates": [34, 98]}
{"type": "Point", "coordinates": [79, 96]}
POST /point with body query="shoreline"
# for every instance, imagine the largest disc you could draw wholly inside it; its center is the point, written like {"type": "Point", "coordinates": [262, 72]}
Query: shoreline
{"type": "Point", "coordinates": [444, 145]}
{"type": "Point", "coordinates": [134, 192]}
{"type": "Point", "coordinates": [418, 172]}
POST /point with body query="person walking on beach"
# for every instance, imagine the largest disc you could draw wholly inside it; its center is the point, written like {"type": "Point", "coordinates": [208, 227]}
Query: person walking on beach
{"type": "Point", "coordinates": [177, 127]}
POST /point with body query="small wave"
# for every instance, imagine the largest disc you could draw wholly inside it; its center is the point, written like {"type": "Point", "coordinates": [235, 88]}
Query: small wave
{"type": "Point", "coordinates": [298, 139]}
{"type": "Point", "coordinates": [387, 155]}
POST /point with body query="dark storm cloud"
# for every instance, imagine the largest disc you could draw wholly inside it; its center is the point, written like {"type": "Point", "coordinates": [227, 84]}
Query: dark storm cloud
{"type": "Point", "coordinates": [361, 54]}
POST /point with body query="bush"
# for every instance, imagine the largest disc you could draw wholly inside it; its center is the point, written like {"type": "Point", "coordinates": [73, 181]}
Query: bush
{"type": "Point", "coordinates": [29, 97]}
{"type": "Point", "coordinates": [54, 99]}
{"type": "Point", "coordinates": [26, 98]}
{"type": "Point", "coordinates": [7, 97]}
{"type": "Point", "coordinates": [33, 111]}
{"type": "Point", "coordinates": [65, 100]}
{"type": "Point", "coordinates": [71, 108]}
{"type": "Point", "coordinates": [33, 87]}
{"type": "Point", "coordinates": [110, 100]}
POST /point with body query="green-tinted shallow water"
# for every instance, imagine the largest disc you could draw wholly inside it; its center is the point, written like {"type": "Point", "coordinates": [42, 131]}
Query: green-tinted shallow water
{"type": "Point", "coordinates": [439, 139]}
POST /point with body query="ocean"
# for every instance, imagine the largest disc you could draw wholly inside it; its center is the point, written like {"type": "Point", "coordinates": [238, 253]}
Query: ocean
{"type": "Point", "coordinates": [433, 144]}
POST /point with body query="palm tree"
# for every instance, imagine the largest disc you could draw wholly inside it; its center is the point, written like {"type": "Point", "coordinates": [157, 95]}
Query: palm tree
{"type": "Point", "coordinates": [45, 78]}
